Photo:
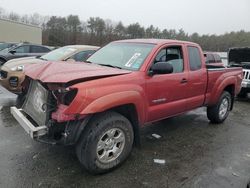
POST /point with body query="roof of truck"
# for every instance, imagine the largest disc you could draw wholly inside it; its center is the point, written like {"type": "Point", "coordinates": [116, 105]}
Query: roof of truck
{"type": "Point", "coordinates": [156, 41]}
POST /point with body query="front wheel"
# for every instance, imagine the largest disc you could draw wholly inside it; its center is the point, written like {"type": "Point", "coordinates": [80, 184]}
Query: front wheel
{"type": "Point", "coordinates": [219, 112]}
{"type": "Point", "coordinates": [106, 142]}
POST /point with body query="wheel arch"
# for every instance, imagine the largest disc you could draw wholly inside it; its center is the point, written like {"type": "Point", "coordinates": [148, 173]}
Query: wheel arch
{"type": "Point", "coordinates": [231, 89]}
{"type": "Point", "coordinates": [127, 110]}
{"type": "Point", "coordinates": [227, 85]}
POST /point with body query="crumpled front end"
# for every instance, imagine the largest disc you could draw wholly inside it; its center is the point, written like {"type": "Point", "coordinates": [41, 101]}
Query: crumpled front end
{"type": "Point", "coordinates": [43, 116]}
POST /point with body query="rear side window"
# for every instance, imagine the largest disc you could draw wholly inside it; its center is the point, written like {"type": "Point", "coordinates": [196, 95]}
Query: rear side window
{"type": "Point", "coordinates": [194, 58]}
{"type": "Point", "coordinates": [22, 49]}
{"type": "Point", "coordinates": [39, 49]}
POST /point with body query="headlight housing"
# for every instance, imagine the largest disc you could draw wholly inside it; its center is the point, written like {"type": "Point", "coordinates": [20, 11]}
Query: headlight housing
{"type": "Point", "coordinates": [65, 95]}
{"type": "Point", "coordinates": [18, 68]}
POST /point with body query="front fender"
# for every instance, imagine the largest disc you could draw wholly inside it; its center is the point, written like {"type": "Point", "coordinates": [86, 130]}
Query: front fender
{"type": "Point", "coordinates": [117, 99]}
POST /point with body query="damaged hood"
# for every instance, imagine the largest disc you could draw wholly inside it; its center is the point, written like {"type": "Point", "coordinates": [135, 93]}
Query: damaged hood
{"type": "Point", "coordinates": [63, 72]}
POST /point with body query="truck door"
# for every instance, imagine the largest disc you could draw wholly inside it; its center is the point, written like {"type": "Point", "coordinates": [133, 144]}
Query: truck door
{"type": "Point", "coordinates": [197, 78]}
{"type": "Point", "coordinates": [166, 93]}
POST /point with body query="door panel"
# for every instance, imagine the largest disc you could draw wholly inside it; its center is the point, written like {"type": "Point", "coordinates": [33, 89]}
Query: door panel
{"type": "Point", "coordinates": [166, 95]}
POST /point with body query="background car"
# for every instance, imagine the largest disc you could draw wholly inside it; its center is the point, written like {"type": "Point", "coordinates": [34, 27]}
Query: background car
{"type": "Point", "coordinates": [11, 73]}
{"type": "Point", "coordinates": [23, 50]}
{"type": "Point", "coordinates": [4, 45]}
{"type": "Point", "coordinates": [212, 58]}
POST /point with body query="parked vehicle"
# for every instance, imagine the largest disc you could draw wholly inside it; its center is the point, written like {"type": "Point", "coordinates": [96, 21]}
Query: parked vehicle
{"type": "Point", "coordinates": [213, 58]}
{"type": "Point", "coordinates": [22, 50]}
{"type": "Point", "coordinates": [240, 57]}
{"type": "Point", "coordinates": [100, 105]}
{"type": "Point", "coordinates": [4, 45]}
{"type": "Point", "coordinates": [223, 56]}
{"type": "Point", "coordinates": [11, 73]}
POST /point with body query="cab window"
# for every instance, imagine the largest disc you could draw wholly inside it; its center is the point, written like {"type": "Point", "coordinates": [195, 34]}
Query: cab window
{"type": "Point", "coordinates": [172, 55]}
{"type": "Point", "coordinates": [194, 58]}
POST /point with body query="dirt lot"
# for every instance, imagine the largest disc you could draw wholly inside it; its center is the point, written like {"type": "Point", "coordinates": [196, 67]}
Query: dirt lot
{"type": "Point", "coordinates": [197, 154]}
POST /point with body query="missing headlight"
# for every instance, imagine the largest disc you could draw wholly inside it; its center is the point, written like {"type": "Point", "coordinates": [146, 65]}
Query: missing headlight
{"type": "Point", "coordinates": [65, 95]}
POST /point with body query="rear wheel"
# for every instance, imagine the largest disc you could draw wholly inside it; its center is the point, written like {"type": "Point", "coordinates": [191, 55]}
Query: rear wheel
{"type": "Point", "coordinates": [219, 112]}
{"type": "Point", "coordinates": [106, 142]}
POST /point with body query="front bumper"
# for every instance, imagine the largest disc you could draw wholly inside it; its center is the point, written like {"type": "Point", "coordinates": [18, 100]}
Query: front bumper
{"type": "Point", "coordinates": [28, 126]}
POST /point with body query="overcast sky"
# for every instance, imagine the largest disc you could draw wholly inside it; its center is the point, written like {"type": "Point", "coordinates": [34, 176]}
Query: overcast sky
{"type": "Point", "coordinates": [202, 16]}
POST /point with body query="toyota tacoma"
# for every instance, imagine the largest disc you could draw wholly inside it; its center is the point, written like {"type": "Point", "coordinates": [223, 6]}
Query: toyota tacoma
{"type": "Point", "coordinates": [100, 105]}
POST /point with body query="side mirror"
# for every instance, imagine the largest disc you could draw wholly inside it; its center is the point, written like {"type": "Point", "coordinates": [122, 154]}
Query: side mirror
{"type": "Point", "coordinates": [12, 51]}
{"type": "Point", "coordinates": [161, 68]}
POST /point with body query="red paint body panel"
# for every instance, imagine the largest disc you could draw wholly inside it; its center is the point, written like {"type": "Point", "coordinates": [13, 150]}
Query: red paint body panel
{"type": "Point", "coordinates": [154, 97]}
{"type": "Point", "coordinates": [63, 72]}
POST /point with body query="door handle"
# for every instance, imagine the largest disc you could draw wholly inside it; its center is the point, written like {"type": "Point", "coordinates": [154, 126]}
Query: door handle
{"type": "Point", "coordinates": [184, 80]}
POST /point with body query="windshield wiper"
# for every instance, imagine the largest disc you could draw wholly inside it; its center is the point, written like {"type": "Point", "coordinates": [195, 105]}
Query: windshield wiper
{"type": "Point", "coordinates": [42, 59]}
{"type": "Point", "coordinates": [108, 65]}
{"type": "Point", "coordinates": [87, 62]}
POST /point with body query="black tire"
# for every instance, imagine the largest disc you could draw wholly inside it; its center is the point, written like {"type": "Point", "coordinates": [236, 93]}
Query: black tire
{"type": "Point", "coordinates": [99, 125]}
{"type": "Point", "coordinates": [213, 112]}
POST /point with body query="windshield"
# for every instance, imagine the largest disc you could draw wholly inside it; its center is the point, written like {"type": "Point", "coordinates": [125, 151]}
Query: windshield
{"type": "Point", "coordinates": [3, 46]}
{"type": "Point", "coordinates": [59, 54]}
{"type": "Point", "coordinates": [128, 56]}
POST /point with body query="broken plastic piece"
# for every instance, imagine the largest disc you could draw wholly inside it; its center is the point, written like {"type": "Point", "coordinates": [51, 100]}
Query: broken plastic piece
{"type": "Point", "coordinates": [159, 161]}
{"type": "Point", "coordinates": [156, 136]}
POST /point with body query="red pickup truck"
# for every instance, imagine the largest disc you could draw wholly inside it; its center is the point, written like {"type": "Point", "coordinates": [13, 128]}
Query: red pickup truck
{"type": "Point", "coordinates": [100, 105]}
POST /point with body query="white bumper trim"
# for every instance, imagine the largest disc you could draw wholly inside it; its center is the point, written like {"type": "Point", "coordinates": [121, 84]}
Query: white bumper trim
{"type": "Point", "coordinates": [32, 130]}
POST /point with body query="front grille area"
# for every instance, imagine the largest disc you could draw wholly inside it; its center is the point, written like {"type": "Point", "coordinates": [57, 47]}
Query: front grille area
{"type": "Point", "coordinates": [246, 75]}
{"type": "Point", "coordinates": [13, 81]}
{"type": "Point", "coordinates": [3, 74]}
{"type": "Point", "coordinates": [36, 102]}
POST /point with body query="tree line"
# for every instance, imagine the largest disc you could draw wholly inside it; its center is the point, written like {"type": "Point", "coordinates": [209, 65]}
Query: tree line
{"type": "Point", "coordinates": [60, 31]}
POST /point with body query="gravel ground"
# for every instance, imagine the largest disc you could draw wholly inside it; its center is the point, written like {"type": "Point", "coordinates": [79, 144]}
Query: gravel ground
{"type": "Point", "coordinates": [197, 154]}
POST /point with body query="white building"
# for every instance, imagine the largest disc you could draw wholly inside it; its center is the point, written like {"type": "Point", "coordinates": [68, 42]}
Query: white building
{"type": "Point", "coordinates": [11, 31]}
